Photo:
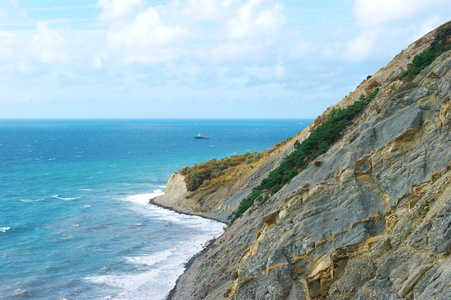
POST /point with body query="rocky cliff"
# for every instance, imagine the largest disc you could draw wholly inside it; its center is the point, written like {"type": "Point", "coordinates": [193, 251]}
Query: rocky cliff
{"type": "Point", "coordinates": [369, 219]}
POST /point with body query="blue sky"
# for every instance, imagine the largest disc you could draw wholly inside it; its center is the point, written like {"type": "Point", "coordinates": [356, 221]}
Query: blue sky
{"type": "Point", "coordinates": [197, 58]}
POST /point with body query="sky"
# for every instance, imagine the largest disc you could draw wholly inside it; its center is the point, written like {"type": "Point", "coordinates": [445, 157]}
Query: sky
{"type": "Point", "coordinates": [198, 58]}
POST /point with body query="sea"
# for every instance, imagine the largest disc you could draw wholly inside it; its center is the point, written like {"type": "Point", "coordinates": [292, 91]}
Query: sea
{"type": "Point", "coordinates": [75, 218]}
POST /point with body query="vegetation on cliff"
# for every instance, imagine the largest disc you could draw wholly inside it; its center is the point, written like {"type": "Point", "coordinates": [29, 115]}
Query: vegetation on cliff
{"type": "Point", "coordinates": [441, 44]}
{"type": "Point", "coordinates": [316, 144]}
{"type": "Point", "coordinates": [213, 169]}
{"type": "Point", "coordinates": [216, 171]}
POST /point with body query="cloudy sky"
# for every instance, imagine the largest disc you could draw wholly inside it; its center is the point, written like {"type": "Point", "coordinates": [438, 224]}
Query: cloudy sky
{"type": "Point", "coordinates": [197, 58]}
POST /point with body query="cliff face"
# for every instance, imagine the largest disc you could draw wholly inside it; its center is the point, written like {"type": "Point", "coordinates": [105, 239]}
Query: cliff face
{"type": "Point", "coordinates": [371, 219]}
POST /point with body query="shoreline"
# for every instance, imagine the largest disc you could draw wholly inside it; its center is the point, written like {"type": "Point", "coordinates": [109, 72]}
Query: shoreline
{"type": "Point", "coordinates": [187, 265]}
{"type": "Point", "coordinates": [151, 201]}
{"type": "Point", "coordinates": [192, 260]}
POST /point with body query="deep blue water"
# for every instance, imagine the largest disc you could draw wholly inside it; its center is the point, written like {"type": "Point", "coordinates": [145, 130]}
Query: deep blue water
{"type": "Point", "coordinates": [74, 218]}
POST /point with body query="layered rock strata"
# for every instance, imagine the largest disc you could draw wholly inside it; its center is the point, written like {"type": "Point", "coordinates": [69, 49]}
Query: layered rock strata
{"type": "Point", "coordinates": [371, 219]}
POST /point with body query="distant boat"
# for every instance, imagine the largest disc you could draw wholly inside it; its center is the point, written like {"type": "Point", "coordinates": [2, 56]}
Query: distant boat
{"type": "Point", "coordinates": [201, 137]}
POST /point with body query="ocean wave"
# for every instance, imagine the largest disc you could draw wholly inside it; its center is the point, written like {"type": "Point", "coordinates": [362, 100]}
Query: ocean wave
{"type": "Point", "coordinates": [143, 199]}
{"type": "Point", "coordinates": [153, 283]}
{"type": "Point", "coordinates": [205, 225]}
{"type": "Point", "coordinates": [150, 260]}
{"type": "Point", "coordinates": [130, 283]}
{"type": "Point", "coordinates": [155, 274]}
{"type": "Point", "coordinates": [65, 199]}
{"type": "Point", "coordinates": [19, 294]}
{"type": "Point", "coordinates": [163, 214]}
{"type": "Point", "coordinates": [30, 200]}
{"type": "Point", "coordinates": [4, 229]}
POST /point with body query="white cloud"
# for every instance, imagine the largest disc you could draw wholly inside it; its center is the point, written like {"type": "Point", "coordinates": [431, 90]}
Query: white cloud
{"type": "Point", "coordinates": [198, 11]}
{"type": "Point", "coordinates": [279, 71]}
{"type": "Point", "coordinates": [254, 18]}
{"type": "Point", "coordinates": [210, 30]}
{"type": "Point", "coordinates": [25, 67]}
{"type": "Point", "coordinates": [221, 50]}
{"type": "Point", "coordinates": [299, 50]}
{"type": "Point", "coordinates": [98, 59]}
{"type": "Point", "coordinates": [7, 45]}
{"type": "Point", "coordinates": [231, 51]}
{"type": "Point", "coordinates": [377, 12]}
{"type": "Point", "coordinates": [429, 25]}
{"type": "Point", "coordinates": [266, 74]}
{"type": "Point", "coordinates": [361, 47]}
{"type": "Point", "coordinates": [147, 39]}
{"type": "Point", "coordinates": [118, 9]}
{"type": "Point", "coordinates": [386, 26]}
{"type": "Point", "coordinates": [3, 14]}
{"type": "Point", "coordinates": [42, 45]}
{"type": "Point", "coordinates": [48, 45]}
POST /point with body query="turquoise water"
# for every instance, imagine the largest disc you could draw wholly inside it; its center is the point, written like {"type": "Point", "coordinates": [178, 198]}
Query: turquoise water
{"type": "Point", "coordinates": [75, 222]}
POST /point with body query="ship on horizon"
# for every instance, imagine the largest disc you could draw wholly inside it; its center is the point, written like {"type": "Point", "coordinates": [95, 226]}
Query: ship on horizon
{"type": "Point", "coordinates": [201, 137]}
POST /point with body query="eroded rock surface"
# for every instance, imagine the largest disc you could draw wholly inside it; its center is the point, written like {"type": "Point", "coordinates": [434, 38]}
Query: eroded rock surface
{"type": "Point", "coordinates": [371, 221]}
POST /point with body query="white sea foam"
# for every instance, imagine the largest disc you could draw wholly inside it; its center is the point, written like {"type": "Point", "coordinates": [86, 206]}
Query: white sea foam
{"type": "Point", "coordinates": [144, 198]}
{"type": "Point", "coordinates": [4, 229]}
{"type": "Point", "coordinates": [155, 274]}
{"type": "Point", "coordinates": [126, 282]}
{"type": "Point", "coordinates": [153, 211]}
{"type": "Point", "coordinates": [155, 282]}
{"type": "Point", "coordinates": [150, 260]}
{"type": "Point", "coordinates": [65, 199]}
{"type": "Point", "coordinates": [205, 225]}
{"type": "Point", "coordinates": [30, 200]}
{"type": "Point", "coordinates": [163, 214]}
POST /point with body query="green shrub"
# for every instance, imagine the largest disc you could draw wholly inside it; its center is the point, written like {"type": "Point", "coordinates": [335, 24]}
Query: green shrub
{"type": "Point", "coordinates": [276, 188]}
{"type": "Point", "coordinates": [264, 199]}
{"type": "Point", "coordinates": [421, 61]}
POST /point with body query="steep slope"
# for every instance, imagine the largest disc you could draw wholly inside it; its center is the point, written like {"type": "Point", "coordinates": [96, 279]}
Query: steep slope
{"type": "Point", "coordinates": [369, 220]}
